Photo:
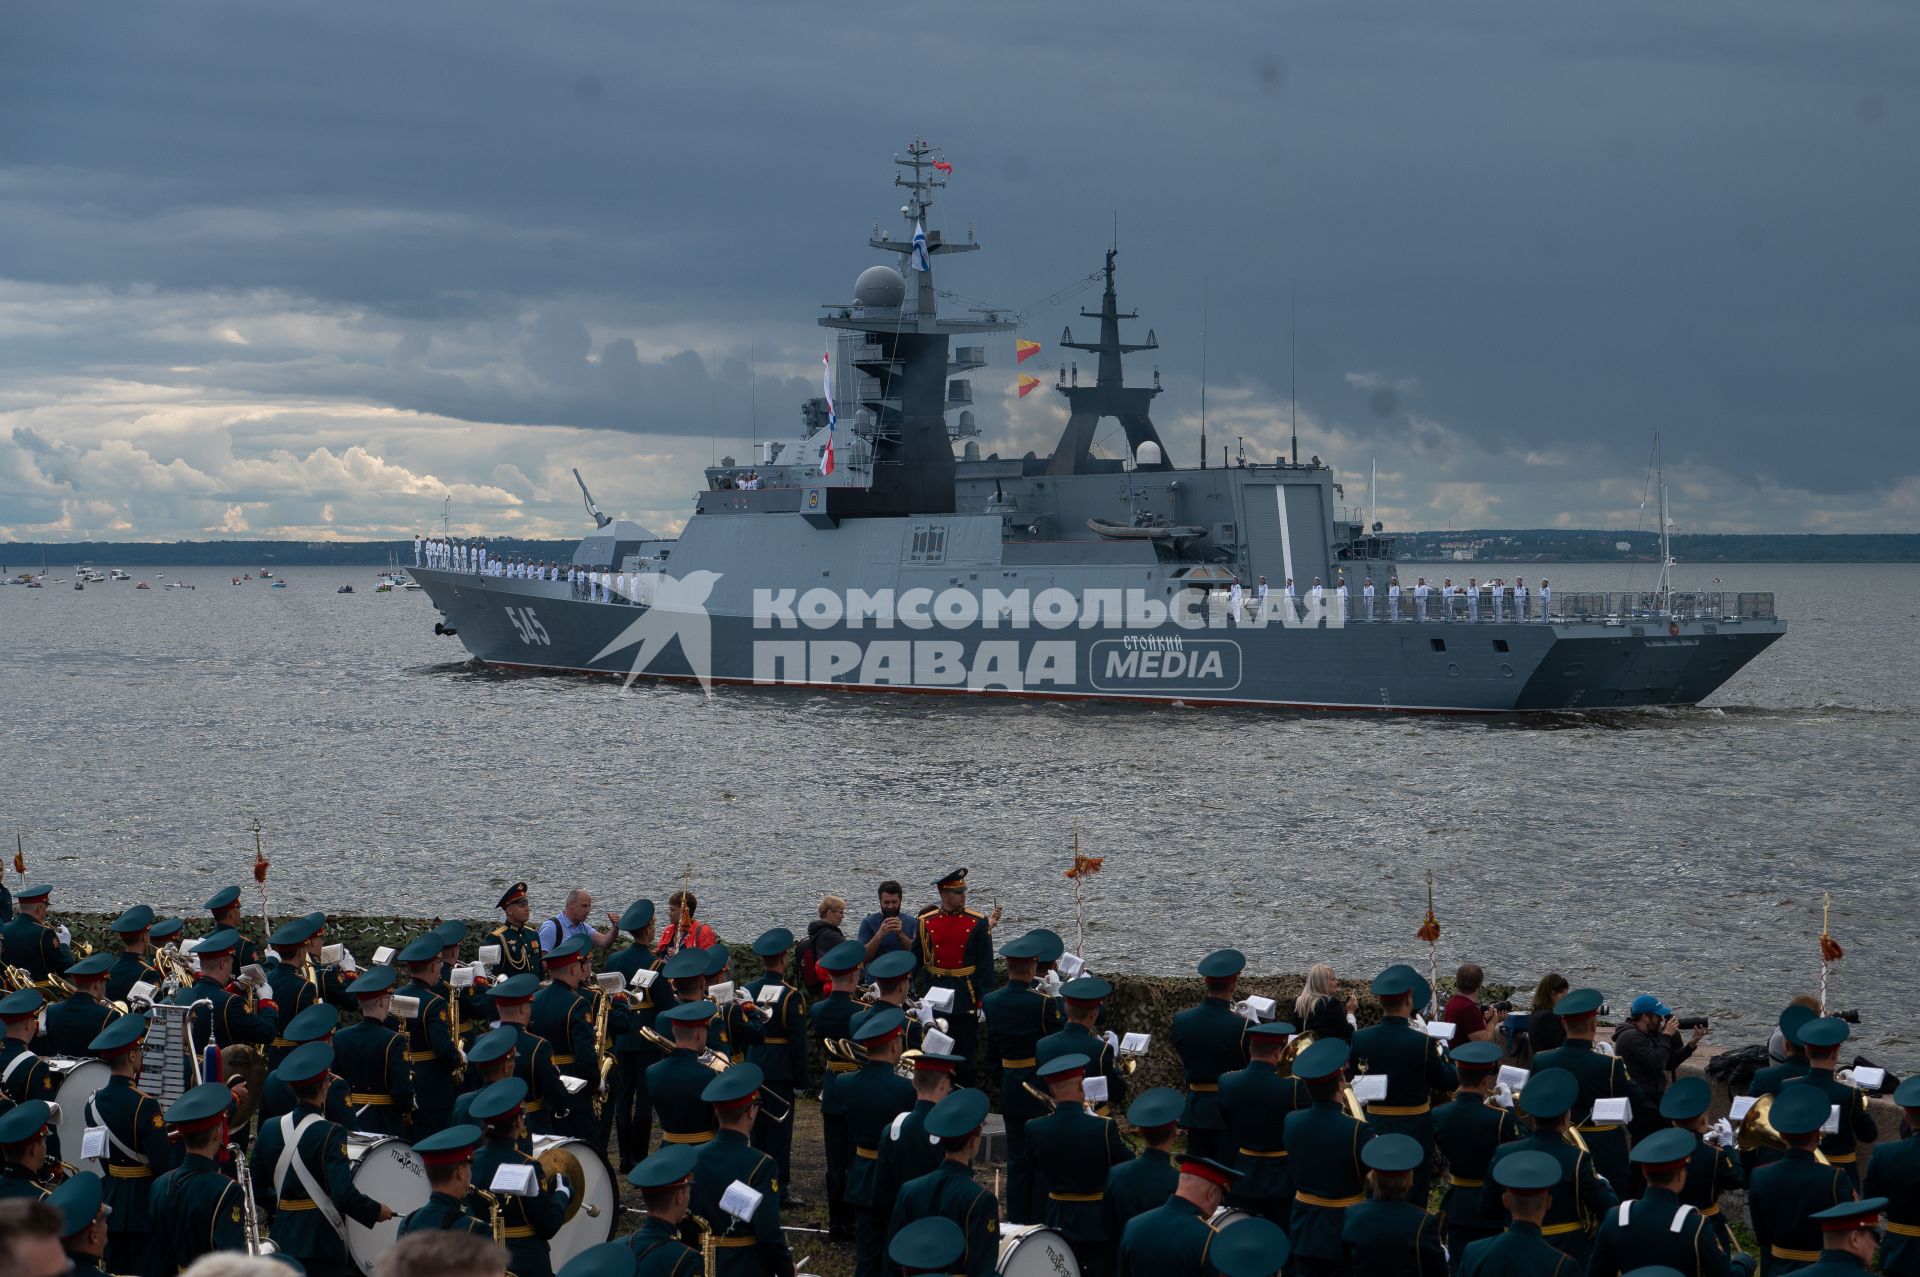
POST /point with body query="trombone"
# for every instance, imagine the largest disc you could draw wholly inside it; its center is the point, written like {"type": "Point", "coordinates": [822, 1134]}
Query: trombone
{"type": "Point", "coordinates": [775, 1107]}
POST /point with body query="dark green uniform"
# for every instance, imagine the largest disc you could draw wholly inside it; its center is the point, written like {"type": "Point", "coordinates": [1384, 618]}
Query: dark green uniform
{"type": "Point", "coordinates": [372, 1060]}
{"type": "Point", "coordinates": [873, 1096]}
{"type": "Point", "coordinates": [27, 1078]}
{"type": "Point", "coordinates": [630, 1109]}
{"type": "Point", "coordinates": [33, 948]}
{"type": "Point", "coordinates": [1894, 1173]}
{"type": "Point", "coordinates": [549, 1104]}
{"type": "Point", "coordinates": [782, 1057]}
{"type": "Point", "coordinates": [227, 1022]}
{"type": "Point", "coordinates": [1323, 1146]}
{"type": "Point", "coordinates": [1018, 1016]}
{"type": "Point", "coordinates": [433, 1057]}
{"type": "Point", "coordinates": [444, 1213]}
{"type": "Point", "coordinates": [1078, 1039]}
{"type": "Point", "coordinates": [73, 1023]}
{"type": "Point", "coordinates": [1468, 1131]}
{"type": "Point", "coordinates": [276, 1097]}
{"type": "Point", "coordinates": [1769, 1080]}
{"type": "Point", "coordinates": [1835, 1263]}
{"type": "Point", "coordinates": [1171, 1240]}
{"type": "Point", "coordinates": [292, 994]}
{"type": "Point", "coordinates": [1072, 1152]}
{"type": "Point", "coordinates": [951, 1191]}
{"type": "Point", "coordinates": [1415, 1066]}
{"type": "Point", "coordinates": [1212, 1042]}
{"type": "Point", "coordinates": [1646, 1233]}
{"type": "Point", "coordinates": [659, 1252]}
{"type": "Point", "coordinates": [196, 1210]}
{"type": "Point", "coordinates": [1392, 1239]}
{"type": "Point", "coordinates": [743, 1031]}
{"type": "Point", "coordinates": [1781, 1199]}
{"type": "Point", "coordinates": [1578, 1200]}
{"type": "Point", "coordinates": [832, 1017]}
{"type": "Point", "coordinates": [1600, 1077]}
{"type": "Point", "coordinates": [674, 1083]}
{"type": "Point", "coordinates": [563, 1016]}
{"type": "Point", "coordinates": [531, 1222]}
{"type": "Point", "coordinates": [754, 1249]}
{"type": "Point", "coordinates": [1856, 1121]}
{"type": "Point", "coordinates": [84, 1266]}
{"type": "Point", "coordinates": [1519, 1252]}
{"type": "Point", "coordinates": [1255, 1102]}
{"type": "Point", "coordinates": [1710, 1172]}
{"type": "Point", "coordinates": [906, 1153]}
{"type": "Point", "coordinates": [137, 1151]}
{"type": "Point", "coordinates": [18, 1181]}
{"type": "Point", "coordinates": [519, 949]}
{"type": "Point", "coordinates": [299, 1227]}
{"type": "Point", "coordinates": [1136, 1187]}
{"type": "Point", "coordinates": [128, 970]}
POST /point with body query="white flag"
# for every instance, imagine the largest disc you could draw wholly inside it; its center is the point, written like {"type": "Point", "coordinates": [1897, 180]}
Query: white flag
{"type": "Point", "coordinates": [919, 247]}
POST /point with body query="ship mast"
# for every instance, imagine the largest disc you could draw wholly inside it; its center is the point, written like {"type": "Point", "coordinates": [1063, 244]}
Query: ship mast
{"type": "Point", "coordinates": [1665, 586]}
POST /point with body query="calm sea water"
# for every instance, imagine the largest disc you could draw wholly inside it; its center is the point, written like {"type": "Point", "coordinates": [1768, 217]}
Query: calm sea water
{"type": "Point", "coordinates": [1683, 853]}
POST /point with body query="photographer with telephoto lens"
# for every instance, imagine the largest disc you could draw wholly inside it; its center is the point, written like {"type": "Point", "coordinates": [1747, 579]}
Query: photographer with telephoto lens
{"type": "Point", "coordinates": [1650, 1044]}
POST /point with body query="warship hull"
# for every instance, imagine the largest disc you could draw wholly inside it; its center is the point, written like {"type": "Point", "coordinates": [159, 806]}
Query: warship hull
{"type": "Point", "coordinates": [1445, 667]}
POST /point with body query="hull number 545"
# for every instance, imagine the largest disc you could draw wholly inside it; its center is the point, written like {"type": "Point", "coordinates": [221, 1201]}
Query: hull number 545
{"type": "Point", "coordinates": [528, 626]}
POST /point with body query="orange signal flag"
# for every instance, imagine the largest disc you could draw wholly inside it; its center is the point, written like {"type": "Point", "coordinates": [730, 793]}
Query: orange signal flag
{"type": "Point", "coordinates": [1024, 350]}
{"type": "Point", "coordinates": [20, 863]}
{"type": "Point", "coordinates": [1027, 384]}
{"type": "Point", "coordinates": [1085, 866]}
{"type": "Point", "coordinates": [260, 863]}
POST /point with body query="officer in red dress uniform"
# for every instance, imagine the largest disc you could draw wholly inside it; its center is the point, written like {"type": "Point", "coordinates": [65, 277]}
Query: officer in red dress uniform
{"type": "Point", "coordinates": [956, 952]}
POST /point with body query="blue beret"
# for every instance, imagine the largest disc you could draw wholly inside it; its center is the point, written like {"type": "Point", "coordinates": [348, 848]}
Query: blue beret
{"type": "Point", "coordinates": [637, 915]}
{"type": "Point", "coordinates": [844, 956]}
{"type": "Point", "coordinates": [306, 1062]}
{"type": "Point", "coordinates": [734, 1085]}
{"type": "Point", "coordinates": [687, 964]}
{"type": "Point", "coordinates": [1549, 1093]}
{"type": "Point", "coordinates": [91, 965]}
{"type": "Point", "coordinates": [119, 1034]}
{"type": "Point", "coordinates": [424, 948]}
{"type": "Point", "coordinates": [312, 1024]}
{"type": "Point", "coordinates": [1393, 1153]}
{"type": "Point", "coordinates": [1476, 1055]}
{"type": "Point", "coordinates": [225, 940]}
{"type": "Point", "coordinates": [24, 1121]}
{"type": "Point", "coordinates": [608, 1259]}
{"type": "Point", "coordinates": [891, 966]}
{"type": "Point", "coordinates": [223, 898]}
{"type": "Point", "coordinates": [1271, 1029]}
{"type": "Point", "coordinates": [138, 918]}
{"type": "Point", "coordinates": [689, 1012]}
{"type": "Point", "coordinates": [293, 931]}
{"type": "Point", "coordinates": [1664, 1148]}
{"type": "Point", "coordinates": [374, 982]}
{"type": "Point", "coordinates": [1686, 1099]}
{"type": "Point", "coordinates": [1088, 988]}
{"type": "Point", "coordinates": [1022, 947]}
{"type": "Point", "coordinates": [1252, 1247]}
{"type": "Point", "coordinates": [672, 1165]}
{"type": "Point", "coordinates": [1579, 1002]}
{"type": "Point", "coordinates": [1222, 963]}
{"type": "Point", "coordinates": [1063, 1066]}
{"type": "Point", "coordinates": [1323, 1059]}
{"type": "Point", "coordinates": [933, 1244]}
{"type": "Point", "coordinates": [1160, 1106]}
{"type": "Point", "coordinates": [166, 927]}
{"type": "Point", "coordinates": [498, 1099]}
{"type": "Point", "coordinates": [772, 943]}
{"type": "Point", "coordinates": [1800, 1109]}
{"type": "Point", "coordinates": [450, 933]}
{"type": "Point", "coordinates": [883, 1023]}
{"type": "Point", "coordinates": [959, 1115]}
{"type": "Point", "coordinates": [494, 1044]}
{"type": "Point", "coordinates": [200, 1103]}
{"type": "Point", "coordinates": [1828, 1031]}
{"type": "Point", "coordinates": [78, 1201]}
{"type": "Point", "coordinates": [1527, 1171]}
{"type": "Point", "coordinates": [19, 1006]}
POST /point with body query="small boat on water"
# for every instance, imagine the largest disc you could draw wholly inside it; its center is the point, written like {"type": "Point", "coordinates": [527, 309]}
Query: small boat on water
{"type": "Point", "coordinates": [279, 585]}
{"type": "Point", "coordinates": [143, 586]}
{"type": "Point", "coordinates": [79, 585]}
{"type": "Point", "coordinates": [119, 575]}
{"type": "Point", "coordinates": [265, 575]}
{"type": "Point", "coordinates": [345, 589]}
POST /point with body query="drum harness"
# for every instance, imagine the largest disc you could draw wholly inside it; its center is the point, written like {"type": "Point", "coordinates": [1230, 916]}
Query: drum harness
{"type": "Point", "coordinates": [290, 1156]}
{"type": "Point", "coordinates": [94, 1119]}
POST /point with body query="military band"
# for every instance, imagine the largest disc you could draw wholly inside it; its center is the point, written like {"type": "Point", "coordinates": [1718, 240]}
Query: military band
{"type": "Point", "coordinates": [697, 1090]}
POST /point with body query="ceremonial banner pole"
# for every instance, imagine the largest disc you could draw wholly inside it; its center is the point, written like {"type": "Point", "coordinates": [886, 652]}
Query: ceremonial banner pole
{"type": "Point", "coordinates": [260, 867]}
{"type": "Point", "coordinates": [1430, 932]}
{"type": "Point", "coordinates": [1083, 866]}
{"type": "Point", "coordinates": [20, 857]}
{"type": "Point", "coordinates": [1830, 950]}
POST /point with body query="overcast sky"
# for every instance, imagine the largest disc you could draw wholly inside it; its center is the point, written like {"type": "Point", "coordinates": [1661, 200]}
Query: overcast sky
{"type": "Point", "coordinates": [305, 270]}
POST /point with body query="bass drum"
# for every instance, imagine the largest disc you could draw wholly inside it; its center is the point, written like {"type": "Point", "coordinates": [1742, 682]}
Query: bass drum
{"type": "Point", "coordinates": [386, 1169]}
{"type": "Point", "coordinates": [77, 1079]}
{"type": "Point", "coordinates": [1034, 1250]}
{"type": "Point", "coordinates": [589, 1218]}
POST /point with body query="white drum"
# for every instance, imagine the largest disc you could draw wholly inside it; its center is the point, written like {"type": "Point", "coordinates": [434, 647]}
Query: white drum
{"type": "Point", "coordinates": [1034, 1250]}
{"type": "Point", "coordinates": [589, 1218]}
{"type": "Point", "coordinates": [386, 1169]}
{"type": "Point", "coordinates": [78, 1078]}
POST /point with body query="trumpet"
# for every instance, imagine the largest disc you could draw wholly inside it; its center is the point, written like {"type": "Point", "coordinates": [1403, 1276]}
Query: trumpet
{"type": "Point", "coordinates": [1757, 1131]}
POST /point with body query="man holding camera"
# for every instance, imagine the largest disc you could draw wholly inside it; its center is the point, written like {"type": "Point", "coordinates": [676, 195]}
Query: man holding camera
{"type": "Point", "coordinates": [889, 930]}
{"type": "Point", "coordinates": [1651, 1045]}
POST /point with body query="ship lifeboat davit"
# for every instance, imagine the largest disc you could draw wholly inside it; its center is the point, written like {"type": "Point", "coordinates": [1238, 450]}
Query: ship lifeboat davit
{"type": "Point", "coordinates": [1145, 531]}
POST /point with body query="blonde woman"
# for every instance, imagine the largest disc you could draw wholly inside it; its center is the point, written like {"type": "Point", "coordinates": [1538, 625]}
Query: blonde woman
{"type": "Point", "coordinates": [1320, 1010]}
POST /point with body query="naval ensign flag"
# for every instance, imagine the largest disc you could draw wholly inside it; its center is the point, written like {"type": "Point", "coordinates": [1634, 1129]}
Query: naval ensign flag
{"type": "Point", "coordinates": [919, 247]}
{"type": "Point", "coordinates": [826, 384]}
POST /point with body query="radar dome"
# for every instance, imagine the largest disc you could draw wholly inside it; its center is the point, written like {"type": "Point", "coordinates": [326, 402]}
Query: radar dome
{"type": "Point", "coordinates": [1148, 455]}
{"type": "Point", "coordinates": [880, 286]}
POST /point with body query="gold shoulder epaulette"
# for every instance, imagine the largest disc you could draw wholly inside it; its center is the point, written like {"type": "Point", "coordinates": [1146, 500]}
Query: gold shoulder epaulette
{"type": "Point", "coordinates": [976, 913]}
{"type": "Point", "coordinates": [929, 909]}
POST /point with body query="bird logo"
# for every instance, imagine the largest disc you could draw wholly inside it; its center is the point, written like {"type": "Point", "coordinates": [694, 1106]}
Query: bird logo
{"type": "Point", "coordinates": [671, 608]}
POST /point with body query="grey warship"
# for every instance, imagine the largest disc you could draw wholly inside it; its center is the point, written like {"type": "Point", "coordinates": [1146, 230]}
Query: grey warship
{"type": "Point", "coordinates": [865, 555]}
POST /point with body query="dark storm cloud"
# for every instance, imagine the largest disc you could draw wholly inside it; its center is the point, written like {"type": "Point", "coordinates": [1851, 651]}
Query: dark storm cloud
{"type": "Point", "coordinates": [1561, 228]}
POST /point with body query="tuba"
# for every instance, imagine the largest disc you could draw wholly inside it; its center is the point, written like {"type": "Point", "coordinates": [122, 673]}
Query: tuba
{"type": "Point", "coordinates": [1756, 1132]}
{"type": "Point", "coordinates": [1291, 1052]}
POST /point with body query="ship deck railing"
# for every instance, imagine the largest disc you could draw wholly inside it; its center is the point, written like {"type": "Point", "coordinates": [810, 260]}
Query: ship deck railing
{"type": "Point", "coordinates": [1505, 607]}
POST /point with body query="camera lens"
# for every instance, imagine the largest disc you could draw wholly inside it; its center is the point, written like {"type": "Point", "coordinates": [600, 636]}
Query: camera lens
{"type": "Point", "coordinates": [1693, 1022]}
{"type": "Point", "coordinates": [1850, 1016]}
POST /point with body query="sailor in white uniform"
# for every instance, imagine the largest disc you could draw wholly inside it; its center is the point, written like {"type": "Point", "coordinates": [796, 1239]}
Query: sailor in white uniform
{"type": "Point", "coordinates": [1473, 599]}
{"type": "Point", "coordinates": [1519, 598]}
{"type": "Point", "coordinates": [1234, 598]}
{"type": "Point", "coordinates": [1546, 598]}
{"type": "Point", "coordinates": [1420, 597]}
{"type": "Point", "coordinates": [1366, 595]}
{"type": "Point", "coordinates": [1340, 596]}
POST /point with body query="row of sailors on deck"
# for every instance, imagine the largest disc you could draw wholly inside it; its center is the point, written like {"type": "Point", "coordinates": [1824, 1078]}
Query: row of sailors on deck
{"type": "Point", "coordinates": [1499, 599]}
